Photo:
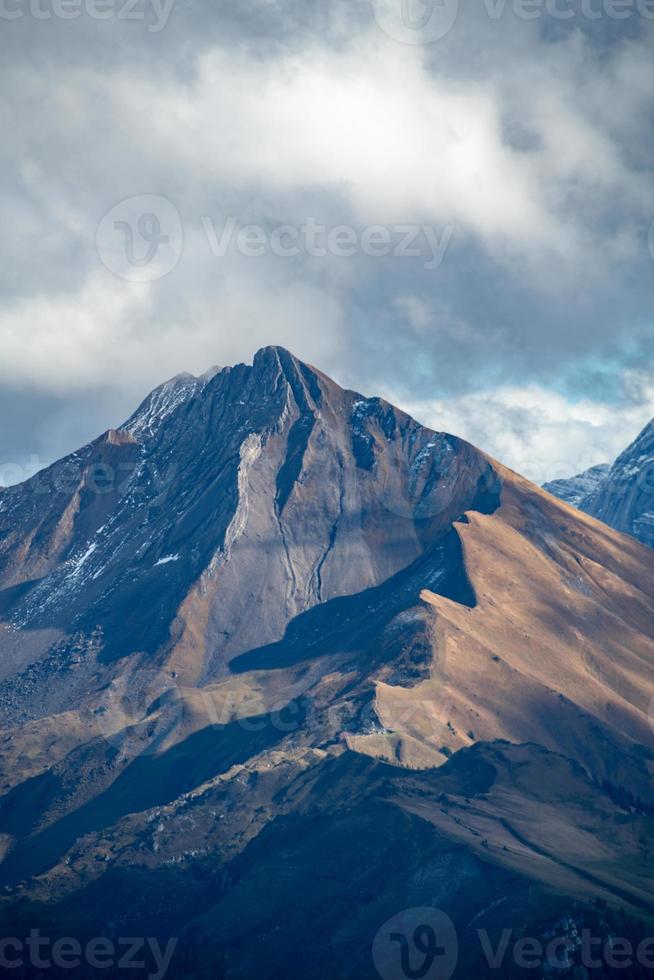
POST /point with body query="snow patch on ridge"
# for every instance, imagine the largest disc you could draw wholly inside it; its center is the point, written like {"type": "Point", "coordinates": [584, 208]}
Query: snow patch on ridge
{"type": "Point", "coordinates": [166, 559]}
{"type": "Point", "coordinates": [78, 562]}
{"type": "Point", "coordinates": [162, 403]}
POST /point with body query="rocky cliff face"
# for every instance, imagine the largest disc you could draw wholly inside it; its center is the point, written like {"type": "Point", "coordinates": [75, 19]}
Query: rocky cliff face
{"type": "Point", "coordinates": [625, 498]}
{"type": "Point", "coordinates": [244, 498]}
{"type": "Point", "coordinates": [575, 489]}
{"type": "Point", "coordinates": [621, 495]}
{"type": "Point", "coordinates": [269, 635]}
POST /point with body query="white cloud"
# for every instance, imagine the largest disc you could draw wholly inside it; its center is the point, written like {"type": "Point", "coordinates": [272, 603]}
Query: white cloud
{"type": "Point", "coordinates": [400, 142]}
{"type": "Point", "coordinates": [369, 122]}
{"type": "Point", "coordinates": [70, 339]}
{"type": "Point", "coordinates": [536, 431]}
{"type": "Point", "coordinates": [538, 152]}
{"type": "Point", "coordinates": [107, 334]}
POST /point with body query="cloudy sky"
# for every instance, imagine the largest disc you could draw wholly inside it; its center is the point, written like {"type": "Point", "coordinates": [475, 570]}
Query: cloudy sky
{"type": "Point", "coordinates": [450, 204]}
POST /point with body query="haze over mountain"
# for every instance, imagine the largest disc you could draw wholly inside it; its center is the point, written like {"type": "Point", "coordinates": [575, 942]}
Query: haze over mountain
{"type": "Point", "coordinates": [621, 495]}
{"type": "Point", "coordinates": [278, 661]}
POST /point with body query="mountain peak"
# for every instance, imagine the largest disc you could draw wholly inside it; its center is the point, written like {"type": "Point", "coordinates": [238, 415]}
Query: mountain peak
{"type": "Point", "coordinates": [275, 358]}
{"type": "Point", "coordinates": [162, 402]}
{"type": "Point", "coordinates": [273, 452]}
{"type": "Point", "coordinates": [210, 373]}
{"type": "Point", "coordinates": [219, 620]}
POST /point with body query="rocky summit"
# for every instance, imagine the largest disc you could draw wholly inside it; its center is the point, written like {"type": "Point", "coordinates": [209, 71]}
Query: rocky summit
{"type": "Point", "coordinates": [281, 665]}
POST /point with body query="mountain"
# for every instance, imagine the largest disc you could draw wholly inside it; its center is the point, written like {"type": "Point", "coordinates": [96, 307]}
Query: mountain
{"type": "Point", "coordinates": [280, 664]}
{"type": "Point", "coordinates": [575, 489]}
{"type": "Point", "coordinates": [621, 495]}
{"type": "Point", "coordinates": [625, 498]}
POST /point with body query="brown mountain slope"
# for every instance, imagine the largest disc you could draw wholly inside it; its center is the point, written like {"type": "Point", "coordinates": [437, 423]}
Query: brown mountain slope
{"type": "Point", "coordinates": [295, 657]}
{"type": "Point", "coordinates": [558, 648]}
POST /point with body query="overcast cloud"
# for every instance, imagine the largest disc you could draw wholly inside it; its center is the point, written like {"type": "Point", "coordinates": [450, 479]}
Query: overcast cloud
{"type": "Point", "coordinates": [462, 225]}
